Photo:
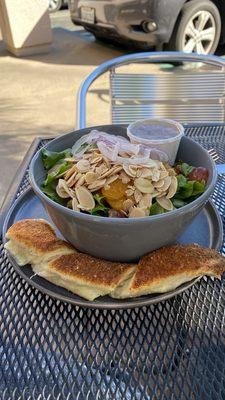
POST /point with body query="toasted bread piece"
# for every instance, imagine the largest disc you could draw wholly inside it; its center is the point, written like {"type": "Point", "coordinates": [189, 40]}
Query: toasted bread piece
{"type": "Point", "coordinates": [34, 241]}
{"type": "Point", "coordinates": [165, 269]}
{"type": "Point", "coordinates": [84, 275]}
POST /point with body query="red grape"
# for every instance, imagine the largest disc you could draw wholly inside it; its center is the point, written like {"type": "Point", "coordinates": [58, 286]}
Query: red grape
{"type": "Point", "coordinates": [116, 214]}
{"type": "Point", "coordinates": [199, 174]}
{"type": "Point", "coordinates": [178, 169]}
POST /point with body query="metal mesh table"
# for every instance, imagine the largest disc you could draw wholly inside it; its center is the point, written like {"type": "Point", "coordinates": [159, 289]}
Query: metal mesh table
{"type": "Point", "coordinates": [50, 350]}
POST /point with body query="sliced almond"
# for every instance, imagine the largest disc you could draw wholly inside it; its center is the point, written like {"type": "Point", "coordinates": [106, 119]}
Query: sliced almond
{"type": "Point", "coordinates": [172, 188]}
{"type": "Point", "coordinates": [130, 171]}
{"type": "Point", "coordinates": [80, 181]}
{"type": "Point", "coordinates": [172, 172]}
{"type": "Point", "coordinates": [112, 171]}
{"type": "Point", "coordinates": [137, 212]}
{"type": "Point", "coordinates": [167, 183]}
{"type": "Point", "coordinates": [129, 192]}
{"type": "Point", "coordinates": [101, 169]}
{"type": "Point", "coordinates": [96, 160]}
{"type": "Point", "coordinates": [111, 179]}
{"type": "Point", "coordinates": [159, 184]}
{"type": "Point", "coordinates": [83, 165]}
{"type": "Point", "coordinates": [105, 159]}
{"type": "Point", "coordinates": [155, 175]}
{"type": "Point", "coordinates": [152, 164]}
{"type": "Point", "coordinates": [117, 168]}
{"type": "Point", "coordinates": [160, 194]}
{"type": "Point", "coordinates": [163, 174]}
{"type": "Point", "coordinates": [138, 174]}
{"type": "Point", "coordinates": [155, 193]}
{"type": "Point", "coordinates": [62, 189]}
{"type": "Point", "coordinates": [146, 172]}
{"type": "Point", "coordinates": [91, 177]}
{"type": "Point", "coordinates": [69, 204]}
{"type": "Point", "coordinates": [70, 172]}
{"type": "Point", "coordinates": [78, 176]}
{"type": "Point", "coordinates": [146, 201]}
{"type": "Point", "coordinates": [75, 204]}
{"type": "Point", "coordinates": [72, 179]}
{"type": "Point", "coordinates": [87, 156]}
{"type": "Point", "coordinates": [128, 204]}
{"type": "Point", "coordinates": [107, 173]}
{"type": "Point", "coordinates": [165, 203]}
{"type": "Point", "coordinates": [124, 154]}
{"type": "Point", "coordinates": [137, 195]}
{"type": "Point", "coordinates": [124, 177]}
{"type": "Point", "coordinates": [85, 199]}
{"type": "Point", "coordinates": [144, 185]}
{"type": "Point", "coordinates": [97, 184]}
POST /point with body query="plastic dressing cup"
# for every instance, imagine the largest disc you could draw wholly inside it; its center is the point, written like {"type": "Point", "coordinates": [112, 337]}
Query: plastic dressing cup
{"type": "Point", "coordinates": [161, 134]}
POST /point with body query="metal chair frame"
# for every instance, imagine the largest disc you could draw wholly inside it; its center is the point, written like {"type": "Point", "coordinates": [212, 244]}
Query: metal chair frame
{"type": "Point", "coordinates": [153, 57]}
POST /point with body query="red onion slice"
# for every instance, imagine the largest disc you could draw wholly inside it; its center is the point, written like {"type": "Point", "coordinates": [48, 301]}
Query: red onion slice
{"type": "Point", "coordinates": [111, 146]}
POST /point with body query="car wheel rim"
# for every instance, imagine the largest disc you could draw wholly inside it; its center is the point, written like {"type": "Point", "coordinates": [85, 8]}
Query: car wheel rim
{"type": "Point", "coordinates": [199, 34]}
{"type": "Point", "coordinates": [53, 4]}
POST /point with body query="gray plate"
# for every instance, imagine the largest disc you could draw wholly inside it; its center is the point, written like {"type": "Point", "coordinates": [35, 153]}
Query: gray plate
{"type": "Point", "coordinates": [205, 230]}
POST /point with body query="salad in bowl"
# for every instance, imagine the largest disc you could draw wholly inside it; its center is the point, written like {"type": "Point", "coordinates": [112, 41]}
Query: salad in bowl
{"type": "Point", "coordinates": [108, 176]}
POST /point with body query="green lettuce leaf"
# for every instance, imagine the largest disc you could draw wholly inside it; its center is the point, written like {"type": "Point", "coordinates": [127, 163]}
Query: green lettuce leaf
{"type": "Point", "coordinates": [49, 184]}
{"type": "Point", "coordinates": [182, 181]}
{"type": "Point", "coordinates": [198, 188]}
{"type": "Point", "coordinates": [100, 208]}
{"type": "Point", "coordinates": [51, 193]}
{"type": "Point", "coordinates": [50, 158]}
{"type": "Point", "coordinates": [184, 168]}
{"type": "Point", "coordinates": [188, 189]}
{"type": "Point", "coordinates": [54, 175]}
{"type": "Point", "coordinates": [177, 203]}
{"type": "Point", "coordinates": [156, 209]}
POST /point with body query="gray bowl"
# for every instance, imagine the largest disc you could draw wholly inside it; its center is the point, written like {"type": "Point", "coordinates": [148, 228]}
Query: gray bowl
{"type": "Point", "coordinates": [122, 239]}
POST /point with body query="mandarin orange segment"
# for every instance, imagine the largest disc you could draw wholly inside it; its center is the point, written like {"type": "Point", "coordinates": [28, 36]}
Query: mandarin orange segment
{"type": "Point", "coordinates": [116, 191]}
{"type": "Point", "coordinates": [116, 204]}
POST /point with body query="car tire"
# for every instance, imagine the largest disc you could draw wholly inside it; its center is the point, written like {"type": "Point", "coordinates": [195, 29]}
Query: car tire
{"type": "Point", "coordinates": [190, 34]}
{"type": "Point", "coordinates": [54, 5]}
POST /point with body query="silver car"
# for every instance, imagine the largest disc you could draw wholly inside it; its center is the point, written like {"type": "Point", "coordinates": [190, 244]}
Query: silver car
{"type": "Point", "coordinates": [55, 5]}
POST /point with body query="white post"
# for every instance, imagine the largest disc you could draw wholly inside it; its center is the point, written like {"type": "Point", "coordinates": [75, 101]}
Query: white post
{"type": "Point", "coordinates": [25, 26]}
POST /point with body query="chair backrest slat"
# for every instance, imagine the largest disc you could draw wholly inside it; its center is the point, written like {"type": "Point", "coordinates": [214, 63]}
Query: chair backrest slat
{"type": "Point", "coordinates": [204, 112]}
{"type": "Point", "coordinates": [186, 96]}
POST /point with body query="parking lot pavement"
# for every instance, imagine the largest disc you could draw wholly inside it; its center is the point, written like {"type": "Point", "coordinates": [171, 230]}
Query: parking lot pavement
{"type": "Point", "coordinates": [62, 19]}
{"type": "Point", "coordinates": [38, 93]}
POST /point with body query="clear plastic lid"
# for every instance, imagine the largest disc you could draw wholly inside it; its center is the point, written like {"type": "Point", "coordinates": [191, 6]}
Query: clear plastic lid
{"type": "Point", "coordinates": [155, 130]}
{"type": "Point", "coordinates": [161, 134]}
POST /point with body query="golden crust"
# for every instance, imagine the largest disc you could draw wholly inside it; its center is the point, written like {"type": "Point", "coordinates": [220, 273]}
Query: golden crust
{"type": "Point", "coordinates": [157, 272]}
{"type": "Point", "coordinates": [90, 269]}
{"type": "Point", "coordinates": [191, 260]}
{"type": "Point", "coordinates": [37, 235]}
